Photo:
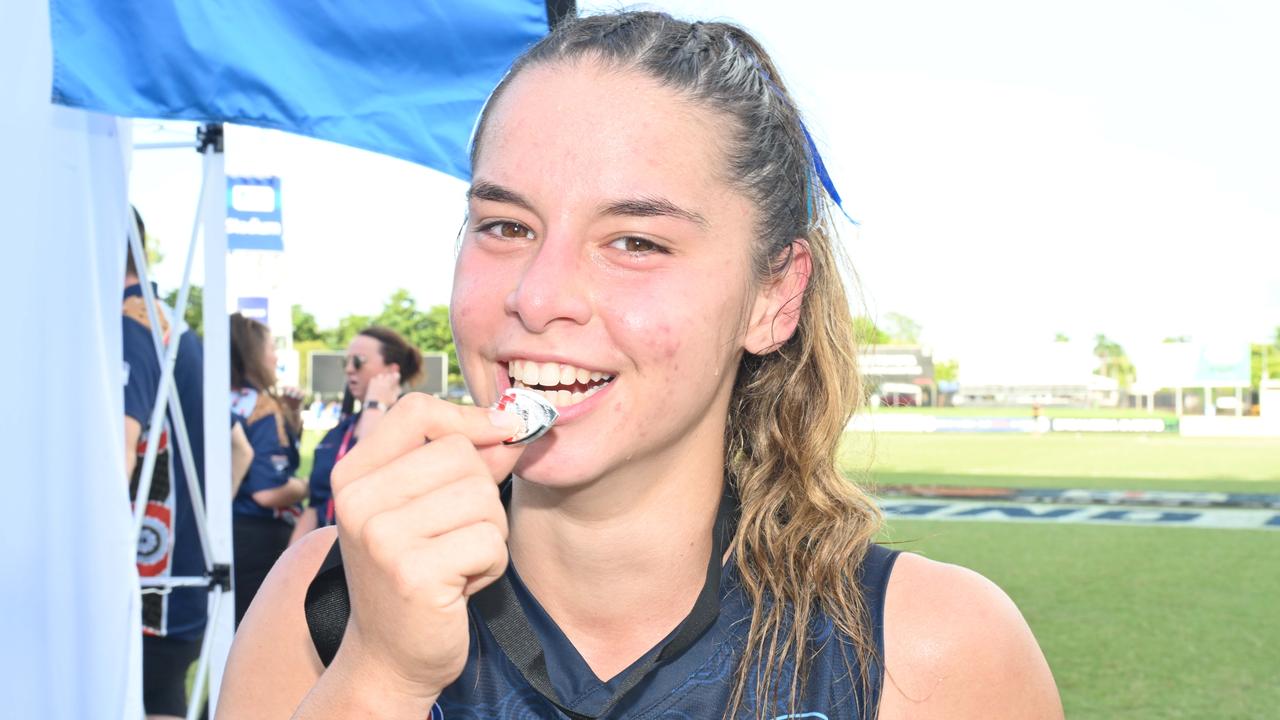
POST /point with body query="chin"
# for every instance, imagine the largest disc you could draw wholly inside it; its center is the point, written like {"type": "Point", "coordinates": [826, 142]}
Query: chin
{"type": "Point", "coordinates": [554, 463]}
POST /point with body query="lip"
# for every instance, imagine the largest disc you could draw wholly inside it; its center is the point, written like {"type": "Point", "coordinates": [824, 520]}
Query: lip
{"type": "Point", "coordinates": [506, 359]}
{"type": "Point", "coordinates": [567, 414]}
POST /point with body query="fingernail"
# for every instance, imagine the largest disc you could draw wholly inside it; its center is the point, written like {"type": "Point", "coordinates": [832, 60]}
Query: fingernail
{"type": "Point", "coordinates": [506, 420]}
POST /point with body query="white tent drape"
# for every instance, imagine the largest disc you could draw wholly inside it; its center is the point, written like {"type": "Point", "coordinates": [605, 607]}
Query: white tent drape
{"type": "Point", "coordinates": [69, 614]}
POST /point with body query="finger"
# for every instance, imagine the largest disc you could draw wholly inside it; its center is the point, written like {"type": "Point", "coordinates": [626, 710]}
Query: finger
{"type": "Point", "coordinates": [415, 419]}
{"type": "Point", "coordinates": [409, 476]}
{"type": "Point", "coordinates": [457, 563]}
{"type": "Point", "coordinates": [467, 501]}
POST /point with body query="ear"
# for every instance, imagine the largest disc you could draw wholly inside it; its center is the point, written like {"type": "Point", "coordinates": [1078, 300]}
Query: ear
{"type": "Point", "coordinates": [776, 310]}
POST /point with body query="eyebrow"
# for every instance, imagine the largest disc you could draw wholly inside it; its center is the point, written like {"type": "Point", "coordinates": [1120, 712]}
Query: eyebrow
{"type": "Point", "coordinates": [633, 207]}
{"type": "Point", "coordinates": [484, 190]}
{"type": "Point", "coordinates": [652, 207]}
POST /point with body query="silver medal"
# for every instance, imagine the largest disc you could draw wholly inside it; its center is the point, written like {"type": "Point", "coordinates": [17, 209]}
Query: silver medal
{"type": "Point", "coordinates": [534, 410]}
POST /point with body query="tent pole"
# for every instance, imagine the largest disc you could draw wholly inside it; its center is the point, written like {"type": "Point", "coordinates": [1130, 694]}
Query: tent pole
{"type": "Point", "coordinates": [217, 401]}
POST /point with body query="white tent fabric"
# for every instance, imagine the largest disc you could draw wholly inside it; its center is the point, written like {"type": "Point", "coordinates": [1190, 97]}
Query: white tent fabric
{"type": "Point", "coordinates": [69, 602]}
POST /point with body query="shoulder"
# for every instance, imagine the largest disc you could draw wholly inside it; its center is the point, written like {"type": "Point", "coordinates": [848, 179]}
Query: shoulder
{"type": "Point", "coordinates": [272, 660]}
{"type": "Point", "coordinates": [956, 646]}
{"type": "Point", "coordinates": [266, 406]}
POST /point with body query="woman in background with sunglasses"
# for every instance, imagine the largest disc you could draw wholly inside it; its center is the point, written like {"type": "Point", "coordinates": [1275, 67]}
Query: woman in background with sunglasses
{"type": "Point", "coordinates": [380, 363]}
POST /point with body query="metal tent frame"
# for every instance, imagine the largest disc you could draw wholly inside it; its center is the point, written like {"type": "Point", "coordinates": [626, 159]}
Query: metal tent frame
{"type": "Point", "coordinates": [212, 508]}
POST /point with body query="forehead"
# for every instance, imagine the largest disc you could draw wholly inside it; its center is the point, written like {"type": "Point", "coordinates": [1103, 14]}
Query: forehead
{"type": "Point", "coordinates": [584, 131]}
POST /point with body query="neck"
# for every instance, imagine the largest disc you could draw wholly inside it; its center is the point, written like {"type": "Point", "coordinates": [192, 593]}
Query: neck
{"type": "Point", "coordinates": [637, 542]}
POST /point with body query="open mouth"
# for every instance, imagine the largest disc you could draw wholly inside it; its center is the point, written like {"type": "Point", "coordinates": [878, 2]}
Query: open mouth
{"type": "Point", "coordinates": [563, 385]}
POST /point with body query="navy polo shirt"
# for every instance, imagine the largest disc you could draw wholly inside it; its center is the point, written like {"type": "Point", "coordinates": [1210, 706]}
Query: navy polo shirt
{"type": "Point", "coordinates": [169, 544]}
{"type": "Point", "coordinates": [273, 463]}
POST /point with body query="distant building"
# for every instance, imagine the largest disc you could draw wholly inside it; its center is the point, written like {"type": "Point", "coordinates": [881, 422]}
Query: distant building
{"type": "Point", "coordinates": [899, 374]}
{"type": "Point", "coordinates": [1058, 373]}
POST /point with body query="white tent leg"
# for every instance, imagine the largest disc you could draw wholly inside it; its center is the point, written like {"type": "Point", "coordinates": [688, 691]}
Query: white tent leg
{"type": "Point", "coordinates": [217, 408]}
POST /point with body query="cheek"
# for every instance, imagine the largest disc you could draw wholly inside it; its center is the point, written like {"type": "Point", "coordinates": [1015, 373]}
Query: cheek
{"type": "Point", "coordinates": [476, 294]}
{"type": "Point", "coordinates": [675, 333]}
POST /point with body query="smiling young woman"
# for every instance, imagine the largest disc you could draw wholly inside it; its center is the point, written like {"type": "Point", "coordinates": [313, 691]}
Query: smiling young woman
{"type": "Point", "coordinates": [647, 245]}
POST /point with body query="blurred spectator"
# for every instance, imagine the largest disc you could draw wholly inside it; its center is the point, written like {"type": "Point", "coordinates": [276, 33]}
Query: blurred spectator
{"type": "Point", "coordinates": [173, 621]}
{"type": "Point", "coordinates": [266, 506]}
{"type": "Point", "coordinates": [380, 364]}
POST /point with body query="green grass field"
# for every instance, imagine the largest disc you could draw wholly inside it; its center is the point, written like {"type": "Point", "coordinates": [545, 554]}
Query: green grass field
{"type": "Point", "coordinates": [1137, 622]}
{"type": "Point", "coordinates": [1025, 411]}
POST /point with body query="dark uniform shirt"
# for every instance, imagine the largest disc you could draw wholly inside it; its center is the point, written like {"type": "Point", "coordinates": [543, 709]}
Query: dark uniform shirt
{"type": "Point", "coordinates": [168, 544]}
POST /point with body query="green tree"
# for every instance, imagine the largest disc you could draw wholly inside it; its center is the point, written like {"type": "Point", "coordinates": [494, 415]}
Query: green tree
{"type": "Point", "coordinates": [902, 329]}
{"type": "Point", "coordinates": [1176, 339]}
{"type": "Point", "coordinates": [946, 370]}
{"type": "Point", "coordinates": [348, 327]}
{"type": "Point", "coordinates": [1112, 361]}
{"type": "Point", "coordinates": [428, 330]}
{"type": "Point", "coordinates": [866, 332]}
{"type": "Point", "coordinates": [1061, 337]}
{"type": "Point", "coordinates": [305, 328]}
{"type": "Point", "coordinates": [194, 314]}
{"type": "Point", "coordinates": [1264, 360]}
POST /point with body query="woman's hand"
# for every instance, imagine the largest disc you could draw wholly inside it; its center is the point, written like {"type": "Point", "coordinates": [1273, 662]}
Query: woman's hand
{"type": "Point", "coordinates": [422, 529]}
{"type": "Point", "coordinates": [384, 387]}
{"type": "Point", "coordinates": [291, 398]}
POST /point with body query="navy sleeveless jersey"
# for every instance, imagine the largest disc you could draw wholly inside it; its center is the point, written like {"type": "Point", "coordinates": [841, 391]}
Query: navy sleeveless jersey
{"type": "Point", "coordinates": [696, 685]}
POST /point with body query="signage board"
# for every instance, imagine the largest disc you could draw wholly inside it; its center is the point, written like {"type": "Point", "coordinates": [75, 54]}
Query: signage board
{"type": "Point", "coordinates": [254, 218]}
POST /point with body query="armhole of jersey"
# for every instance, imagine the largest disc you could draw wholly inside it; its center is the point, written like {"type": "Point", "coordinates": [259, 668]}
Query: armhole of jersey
{"type": "Point", "coordinates": [328, 606]}
{"type": "Point", "coordinates": [879, 562]}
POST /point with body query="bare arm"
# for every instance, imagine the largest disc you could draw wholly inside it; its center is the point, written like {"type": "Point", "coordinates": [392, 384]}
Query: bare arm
{"type": "Point", "coordinates": [957, 648]}
{"type": "Point", "coordinates": [132, 433]}
{"type": "Point", "coordinates": [309, 521]}
{"type": "Point", "coordinates": [282, 496]}
{"type": "Point", "coordinates": [241, 457]}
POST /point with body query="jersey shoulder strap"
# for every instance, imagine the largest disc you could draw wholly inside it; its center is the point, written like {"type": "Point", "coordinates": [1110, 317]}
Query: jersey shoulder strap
{"type": "Point", "coordinates": [328, 605]}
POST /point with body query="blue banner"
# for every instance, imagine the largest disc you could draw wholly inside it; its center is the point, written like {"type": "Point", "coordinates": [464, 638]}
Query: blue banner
{"type": "Point", "coordinates": [407, 79]}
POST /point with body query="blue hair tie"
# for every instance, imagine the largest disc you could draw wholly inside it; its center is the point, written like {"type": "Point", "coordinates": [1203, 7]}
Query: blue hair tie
{"type": "Point", "coordinates": [820, 169]}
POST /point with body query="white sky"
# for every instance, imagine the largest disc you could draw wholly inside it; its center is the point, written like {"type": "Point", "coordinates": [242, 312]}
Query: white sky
{"type": "Point", "coordinates": [1018, 169]}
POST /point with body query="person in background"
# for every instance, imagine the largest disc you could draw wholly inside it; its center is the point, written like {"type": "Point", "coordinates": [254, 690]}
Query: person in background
{"type": "Point", "coordinates": [172, 622]}
{"type": "Point", "coordinates": [267, 504]}
{"type": "Point", "coordinates": [241, 454]}
{"type": "Point", "coordinates": [380, 364]}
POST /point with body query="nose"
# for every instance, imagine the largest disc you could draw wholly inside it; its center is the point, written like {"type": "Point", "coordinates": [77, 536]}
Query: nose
{"type": "Point", "coordinates": [552, 287]}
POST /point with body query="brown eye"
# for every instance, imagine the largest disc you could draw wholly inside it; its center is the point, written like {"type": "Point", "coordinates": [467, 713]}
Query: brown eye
{"type": "Point", "coordinates": [637, 245]}
{"type": "Point", "coordinates": [514, 231]}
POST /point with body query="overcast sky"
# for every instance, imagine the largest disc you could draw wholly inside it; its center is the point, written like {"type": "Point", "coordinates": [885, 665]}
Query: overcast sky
{"type": "Point", "coordinates": [1018, 169]}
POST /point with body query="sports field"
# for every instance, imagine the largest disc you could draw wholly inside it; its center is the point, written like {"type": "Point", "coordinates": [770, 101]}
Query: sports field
{"type": "Point", "coordinates": [1137, 622]}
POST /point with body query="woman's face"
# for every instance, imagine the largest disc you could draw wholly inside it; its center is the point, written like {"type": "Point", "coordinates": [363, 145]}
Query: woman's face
{"type": "Point", "coordinates": [364, 361]}
{"type": "Point", "coordinates": [606, 261]}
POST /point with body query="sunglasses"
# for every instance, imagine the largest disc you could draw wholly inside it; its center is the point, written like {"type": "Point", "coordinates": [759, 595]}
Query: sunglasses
{"type": "Point", "coordinates": [356, 361]}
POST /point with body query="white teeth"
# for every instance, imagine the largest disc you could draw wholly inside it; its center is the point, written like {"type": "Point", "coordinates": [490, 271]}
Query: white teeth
{"type": "Point", "coordinates": [549, 374]}
{"type": "Point", "coordinates": [527, 373]}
